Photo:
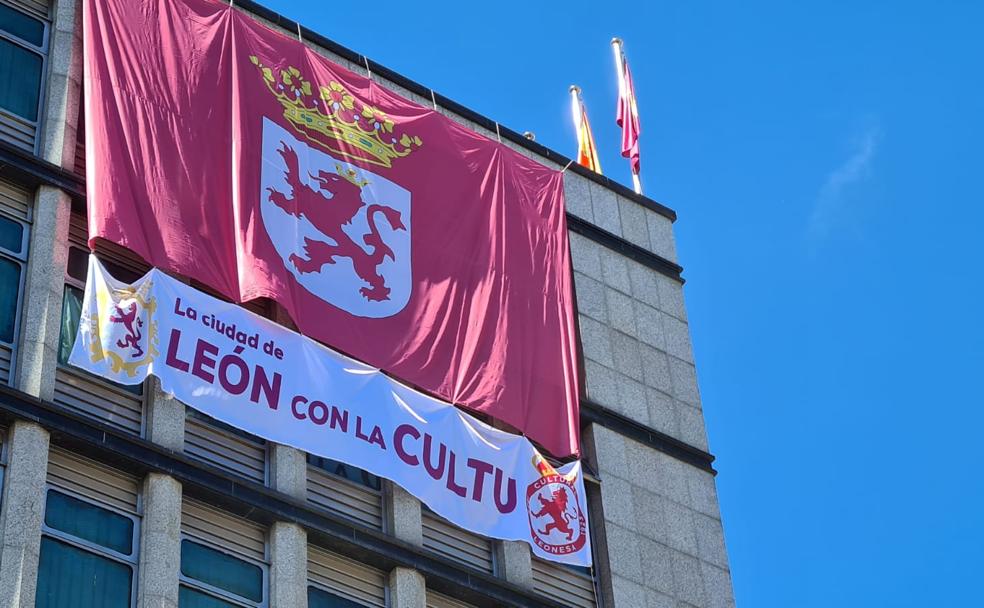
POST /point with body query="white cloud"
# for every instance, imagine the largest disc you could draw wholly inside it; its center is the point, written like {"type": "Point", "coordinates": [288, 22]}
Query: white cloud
{"type": "Point", "coordinates": [830, 205]}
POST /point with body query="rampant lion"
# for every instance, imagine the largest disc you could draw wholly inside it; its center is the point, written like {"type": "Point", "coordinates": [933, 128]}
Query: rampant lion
{"type": "Point", "coordinates": [557, 510]}
{"type": "Point", "coordinates": [132, 324]}
{"type": "Point", "coordinates": [328, 215]}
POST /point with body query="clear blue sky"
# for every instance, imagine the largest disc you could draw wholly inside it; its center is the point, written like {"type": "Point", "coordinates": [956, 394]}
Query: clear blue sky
{"type": "Point", "coordinates": [826, 163]}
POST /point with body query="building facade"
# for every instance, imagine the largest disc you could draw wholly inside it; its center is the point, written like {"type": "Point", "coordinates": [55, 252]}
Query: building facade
{"type": "Point", "coordinates": [119, 496]}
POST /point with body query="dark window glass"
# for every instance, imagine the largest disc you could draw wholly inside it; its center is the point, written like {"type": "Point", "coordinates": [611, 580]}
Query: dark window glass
{"type": "Point", "coordinates": [17, 23]}
{"type": "Point", "coordinates": [78, 263]}
{"type": "Point", "coordinates": [71, 312]}
{"type": "Point", "coordinates": [87, 521]}
{"type": "Point", "coordinates": [322, 599]}
{"type": "Point", "coordinates": [222, 571]}
{"type": "Point", "coordinates": [11, 235]}
{"type": "Point", "coordinates": [346, 470]}
{"type": "Point", "coordinates": [9, 292]}
{"type": "Point", "coordinates": [189, 598]}
{"type": "Point", "coordinates": [73, 577]}
{"type": "Point", "coordinates": [20, 80]}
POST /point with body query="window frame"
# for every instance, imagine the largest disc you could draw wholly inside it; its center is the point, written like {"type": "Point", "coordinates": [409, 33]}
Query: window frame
{"type": "Point", "coordinates": [222, 594]}
{"type": "Point", "coordinates": [21, 260]}
{"type": "Point", "coordinates": [130, 561]}
{"type": "Point", "coordinates": [43, 51]}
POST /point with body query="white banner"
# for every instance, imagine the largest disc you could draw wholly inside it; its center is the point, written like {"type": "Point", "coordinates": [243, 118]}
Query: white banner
{"type": "Point", "coordinates": [253, 374]}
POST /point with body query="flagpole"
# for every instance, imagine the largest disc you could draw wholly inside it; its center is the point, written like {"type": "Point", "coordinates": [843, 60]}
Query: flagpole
{"type": "Point", "coordinates": [576, 106]}
{"type": "Point", "coordinates": [620, 70]}
{"type": "Point", "coordinates": [617, 49]}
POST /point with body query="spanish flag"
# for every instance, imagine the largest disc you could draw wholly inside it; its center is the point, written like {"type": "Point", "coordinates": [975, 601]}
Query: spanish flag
{"type": "Point", "coordinates": [587, 154]}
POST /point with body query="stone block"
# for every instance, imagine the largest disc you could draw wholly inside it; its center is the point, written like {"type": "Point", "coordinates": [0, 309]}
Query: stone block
{"type": "Point", "coordinates": [615, 270]}
{"type": "Point", "coordinates": [165, 417]}
{"type": "Point", "coordinates": [577, 196]}
{"type": "Point", "coordinates": [673, 478]}
{"type": "Point", "coordinates": [661, 236]}
{"type": "Point", "coordinates": [288, 471]}
{"type": "Point", "coordinates": [586, 256]}
{"type": "Point", "coordinates": [657, 564]}
{"type": "Point", "coordinates": [655, 369]}
{"type": "Point", "coordinates": [684, 378]}
{"type": "Point", "coordinates": [160, 543]}
{"type": "Point", "coordinates": [514, 563]}
{"type": "Point", "coordinates": [288, 565]}
{"type": "Point", "coordinates": [627, 593]}
{"type": "Point", "coordinates": [403, 515]}
{"type": "Point", "coordinates": [677, 335]}
{"type": "Point", "coordinates": [596, 341]}
{"type": "Point", "coordinates": [407, 589]}
{"type": "Point", "coordinates": [662, 412]}
{"type": "Point", "coordinates": [679, 532]}
{"type": "Point", "coordinates": [692, 426]}
{"type": "Point", "coordinates": [618, 501]}
{"type": "Point", "coordinates": [21, 513]}
{"type": "Point", "coordinates": [626, 355]}
{"type": "Point", "coordinates": [717, 586]}
{"type": "Point", "coordinates": [43, 291]}
{"type": "Point", "coordinates": [703, 493]}
{"type": "Point", "coordinates": [649, 327]}
{"type": "Point", "coordinates": [687, 581]}
{"type": "Point", "coordinates": [600, 383]}
{"type": "Point", "coordinates": [648, 511]}
{"type": "Point", "coordinates": [643, 466]}
{"type": "Point", "coordinates": [710, 540]}
{"type": "Point", "coordinates": [633, 217]}
{"type": "Point", "coordinates": [590, 297]}
{"type": "Point", "coordinates": [655, 599]}
{"type": "Point", "coordinates": [671, 299]}
{"type": "Point", "coordinates": [605, 207]}
{"type": "Point", "coordinates": [621, 312]}
{"type": "Point", "coordinates": [645, 284]}
{"type": "Point", "coordinates": [610, 451]}
{"type": "Point", "coordinates": [632, 400]}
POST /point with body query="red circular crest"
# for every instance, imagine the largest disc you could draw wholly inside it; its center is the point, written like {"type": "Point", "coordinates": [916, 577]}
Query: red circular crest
{"type": "Point", "coordinates": [557, 524]}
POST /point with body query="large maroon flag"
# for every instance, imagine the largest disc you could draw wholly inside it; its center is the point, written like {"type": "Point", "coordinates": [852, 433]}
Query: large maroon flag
{"type": "Point", "coordinates": [226, 152]}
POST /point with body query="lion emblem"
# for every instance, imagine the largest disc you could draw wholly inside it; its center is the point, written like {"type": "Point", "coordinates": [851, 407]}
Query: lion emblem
{"type": "Point", "coordinates": [328, 214]}
{"type": "Point", "coordinates": [556, 510]}
{"type": "Point", "coordinates": [132, 324]}
{"type": "Point", "coordinates": [341, 230]}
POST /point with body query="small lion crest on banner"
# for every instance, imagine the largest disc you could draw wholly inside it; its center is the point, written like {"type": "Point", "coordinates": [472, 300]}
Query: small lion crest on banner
{"type": "Point", "coordinates": [128, 337]}
{"type": "Point", "coordinates": [557, 524]}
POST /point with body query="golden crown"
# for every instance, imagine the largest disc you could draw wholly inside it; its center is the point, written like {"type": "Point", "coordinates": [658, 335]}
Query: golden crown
{"type": "Point", "coordinates": [335, 120]}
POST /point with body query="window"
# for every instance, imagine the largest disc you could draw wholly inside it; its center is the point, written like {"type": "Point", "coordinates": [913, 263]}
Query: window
{"type": "Point", "coordinates": [88, 555]}
{"type": "Point", "coordinates": [335, 581]}
{"type": "Point", "coordinates": [318, 598]}
{"type": "Point", "coordinates": [346, 490]}
{"type": "Point", "coordinates": [23, 48]}
{"type": "Point", "coordinates": [13, 261]}
{"type": "Point", "coordinates": [346, 471]}
{"type": "Point", "coordinates": [213, 579]}
{"type": "Point", "coordinates": [118, 405]}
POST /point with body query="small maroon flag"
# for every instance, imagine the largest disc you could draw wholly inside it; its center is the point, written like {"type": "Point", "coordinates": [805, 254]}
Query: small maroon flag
{"type": "Point", "coordinates": [627, 113]}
